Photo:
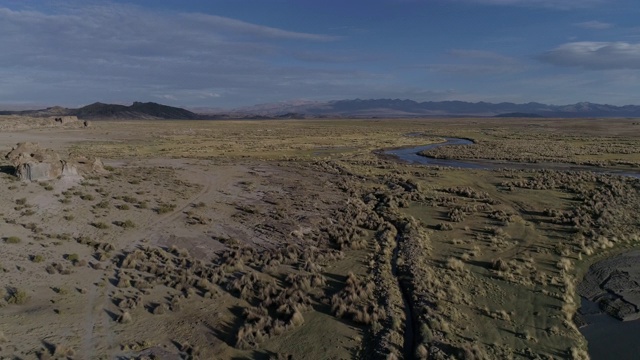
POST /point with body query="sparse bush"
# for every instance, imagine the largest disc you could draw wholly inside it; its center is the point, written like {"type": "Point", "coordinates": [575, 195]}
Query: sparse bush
{"type": "Point", "coordinates": [444, 226]}
{"type": "Point", "coordinates": [100, 225]}
{"type": "Point", "coordinates": [125, 318]}
{"type": "Point", "coordinates": [104, 204]}
{"type": "Point", "coordinates": [129, 199]}
{"type": "Point", "coordinates": [165, 208]}
{"type": "Point", "coordinates": [28, 212]}
{"type": "Point", "coordinates": [127, 224]}
{"type": "Point", "coordinates": [87, 197]}
{"type": "Point", "coordinates": [12, 240]}
{"type": "Point", "coordinates": [16, 296]}
{"type": "Point", "coordinates": [37, 258]}
{"type": "Point", "coordinates": [455, 264]}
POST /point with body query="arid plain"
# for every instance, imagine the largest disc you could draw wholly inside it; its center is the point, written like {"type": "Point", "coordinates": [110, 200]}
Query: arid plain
{"type": "Point", "coordinates": [301, 239]}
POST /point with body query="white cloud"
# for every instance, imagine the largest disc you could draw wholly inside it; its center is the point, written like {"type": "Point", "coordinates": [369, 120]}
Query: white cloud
{"type": "Point", "coordinates": [595, 55]}
{"type": "Point", "coordinates": [594, 25]}
{"type": "Point", "coordinates": [241, 27]}
{"type": "Point", "coordinates": [111, 51]}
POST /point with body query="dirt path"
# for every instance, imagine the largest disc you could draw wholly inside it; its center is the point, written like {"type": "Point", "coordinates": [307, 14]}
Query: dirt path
{"type": "Point", "coordinates": [97, 323]}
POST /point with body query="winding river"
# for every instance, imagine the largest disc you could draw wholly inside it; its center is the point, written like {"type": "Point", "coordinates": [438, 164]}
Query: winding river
{"type": "Point", "coordinates": [411, 156]}
{"type": "Point", "coordinates": [603, 331]}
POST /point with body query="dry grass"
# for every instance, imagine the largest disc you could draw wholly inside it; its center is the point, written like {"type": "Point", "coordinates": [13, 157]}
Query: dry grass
{"type": "Point", "coordinates": [263, 256]}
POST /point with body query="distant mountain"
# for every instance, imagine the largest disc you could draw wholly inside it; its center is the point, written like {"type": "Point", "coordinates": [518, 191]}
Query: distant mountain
{"type": "Point", "coordinates": [410, 108]}
{"type": "Point", "coordinates": [519, 115]}
{"type": "Point", "coordinates": [357, 108]}
{"type": "Point", "coordinates": [95, 111]}
{"type": "Point", "coordinates": [138, 110]}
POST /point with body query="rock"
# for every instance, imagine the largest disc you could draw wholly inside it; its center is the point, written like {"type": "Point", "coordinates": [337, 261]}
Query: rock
{"type": "Point", "coordinates": [614, 284]}
{"type": "Point", "coordinates": [33, 163]}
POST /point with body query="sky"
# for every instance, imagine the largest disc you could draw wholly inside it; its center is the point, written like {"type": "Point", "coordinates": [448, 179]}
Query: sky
{"type": "Point", "coordinates": [233, 53]}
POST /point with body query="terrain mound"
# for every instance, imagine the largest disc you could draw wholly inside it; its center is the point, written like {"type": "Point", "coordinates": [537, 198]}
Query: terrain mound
{"type": "Point", "coordinates": [613, 285]}
{"type": "Point", "coordinates": [33, 163]}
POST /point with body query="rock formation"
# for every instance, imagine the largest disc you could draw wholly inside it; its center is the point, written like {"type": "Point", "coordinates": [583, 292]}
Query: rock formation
{"type": "Point", "coordinates": [64, 119]}
{"type": "Point", "coordinates": [613, 285]}
{"type": "Point", "coordinates": [32, 163]}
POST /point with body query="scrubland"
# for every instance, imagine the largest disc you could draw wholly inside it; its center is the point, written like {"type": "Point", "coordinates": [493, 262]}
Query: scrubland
{"type": "Point", "coordinates": [298, 239]}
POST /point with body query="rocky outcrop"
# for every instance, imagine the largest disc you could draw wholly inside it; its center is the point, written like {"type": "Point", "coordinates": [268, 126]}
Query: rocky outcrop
{"type": "Point", "coordinates": [64, 119]}
{"type": "Point", "coordinates": [614, 284]}
{"type": "Point", "coordinates": [32, 163]}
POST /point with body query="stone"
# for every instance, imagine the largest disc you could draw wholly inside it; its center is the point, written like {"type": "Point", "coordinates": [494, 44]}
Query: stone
{"type": "Point", "coordinates": [33, 163]}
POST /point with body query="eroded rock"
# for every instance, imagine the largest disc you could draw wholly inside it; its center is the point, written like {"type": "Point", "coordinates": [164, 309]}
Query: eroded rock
{"type": "Point", "coordinates": [33, 163]}
{"type": "Point", "coordinates": [615, 285]}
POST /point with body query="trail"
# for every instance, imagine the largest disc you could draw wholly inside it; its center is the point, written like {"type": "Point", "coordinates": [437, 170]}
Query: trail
{"type": "Point", "coordinates": [97, 324]}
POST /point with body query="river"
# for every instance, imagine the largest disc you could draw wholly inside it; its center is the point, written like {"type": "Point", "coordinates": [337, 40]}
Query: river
{"type": "Point", "coordinates": [411, 156]}
{"type": "Point", "coordinates": [608, 338]}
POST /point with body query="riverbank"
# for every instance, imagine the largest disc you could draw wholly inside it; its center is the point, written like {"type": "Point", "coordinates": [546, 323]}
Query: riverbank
{"type": "Point", "coordinates": [417, 155]}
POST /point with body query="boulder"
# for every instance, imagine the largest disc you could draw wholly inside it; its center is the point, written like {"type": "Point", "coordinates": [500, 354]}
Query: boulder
{"type": "Point", "coordinates": [33, 163]}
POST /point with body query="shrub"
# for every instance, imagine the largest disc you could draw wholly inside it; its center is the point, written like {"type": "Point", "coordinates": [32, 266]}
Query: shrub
{"type": "Point", "coordinates": [125, 318]}
{"type": "Point", "coordinates": [100, 225]}
{"type": "Point", "coordinates": [129, 199]}
{"type": "Point", "coordinates": [12, 240]}
{"type": "Point", "coordinates": [37, 258]}
{"type": "Point", "coordinates": [455, 264]}
{"type": "Point", "coordinates": [104, 204]}
{"type": "Point", "coordinates": [17, 296]}
{"type": "Point", "coordinates": [127, 224]}
{"type": "Point", "coordinates": [444, 226]}
{"type": "Point", "coordinates": [72, 257]}
{"type": "Point", "coordinates": [21, 201]}
{"type": "Point", "coordinates": [165, 208]}
{"type": "Point", "coordinates": [28, 212]}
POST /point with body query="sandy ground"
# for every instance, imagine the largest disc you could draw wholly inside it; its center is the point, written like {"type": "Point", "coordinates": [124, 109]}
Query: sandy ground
{"type": "Point", "coordinates": [60, 264]}
{"type": "Point", "coordinates": [293, 239]}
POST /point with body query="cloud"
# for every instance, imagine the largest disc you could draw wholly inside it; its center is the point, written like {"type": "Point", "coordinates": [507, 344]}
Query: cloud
{"type": "Point", "coordinates": [595, 55]}
{"type": "Point", "coordinates": [241, 27]}
{"type": "Point", "coordinates": [113, 51]}
{"type": "Point", "coordinates": [594, 25]}
{"type": "Point", "coordinates": [551, 4]}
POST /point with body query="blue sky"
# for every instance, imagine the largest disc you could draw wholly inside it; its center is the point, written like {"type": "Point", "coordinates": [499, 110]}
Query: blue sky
{"type": "Point", "coordinates": [232, 53]}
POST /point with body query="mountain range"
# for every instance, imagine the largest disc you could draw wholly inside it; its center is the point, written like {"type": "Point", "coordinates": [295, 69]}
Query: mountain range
{"type": "Point", "coordinates": [373, 108]}
{"type": "Point", "coordinates": [410, 108]}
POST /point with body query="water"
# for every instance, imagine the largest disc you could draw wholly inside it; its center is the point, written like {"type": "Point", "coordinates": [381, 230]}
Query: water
{"type": "Point", "coordinates": [608, 337]}
{"type": "Point", "coordinates": [410, 155]}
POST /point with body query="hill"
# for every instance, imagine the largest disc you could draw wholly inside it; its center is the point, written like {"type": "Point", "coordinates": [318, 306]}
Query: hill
{"type": "Point", "coordinates": [138, 110]}
{"type": "Point", "coordinates": [96, 111]}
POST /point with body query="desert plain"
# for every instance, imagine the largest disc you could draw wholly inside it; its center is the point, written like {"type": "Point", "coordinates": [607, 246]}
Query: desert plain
{"type": "Point", "coordinates": [302, 239]}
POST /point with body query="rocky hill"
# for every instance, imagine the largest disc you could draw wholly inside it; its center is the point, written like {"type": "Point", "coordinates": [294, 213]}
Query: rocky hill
{"type": "Point", "coordinates": [97, 111]}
